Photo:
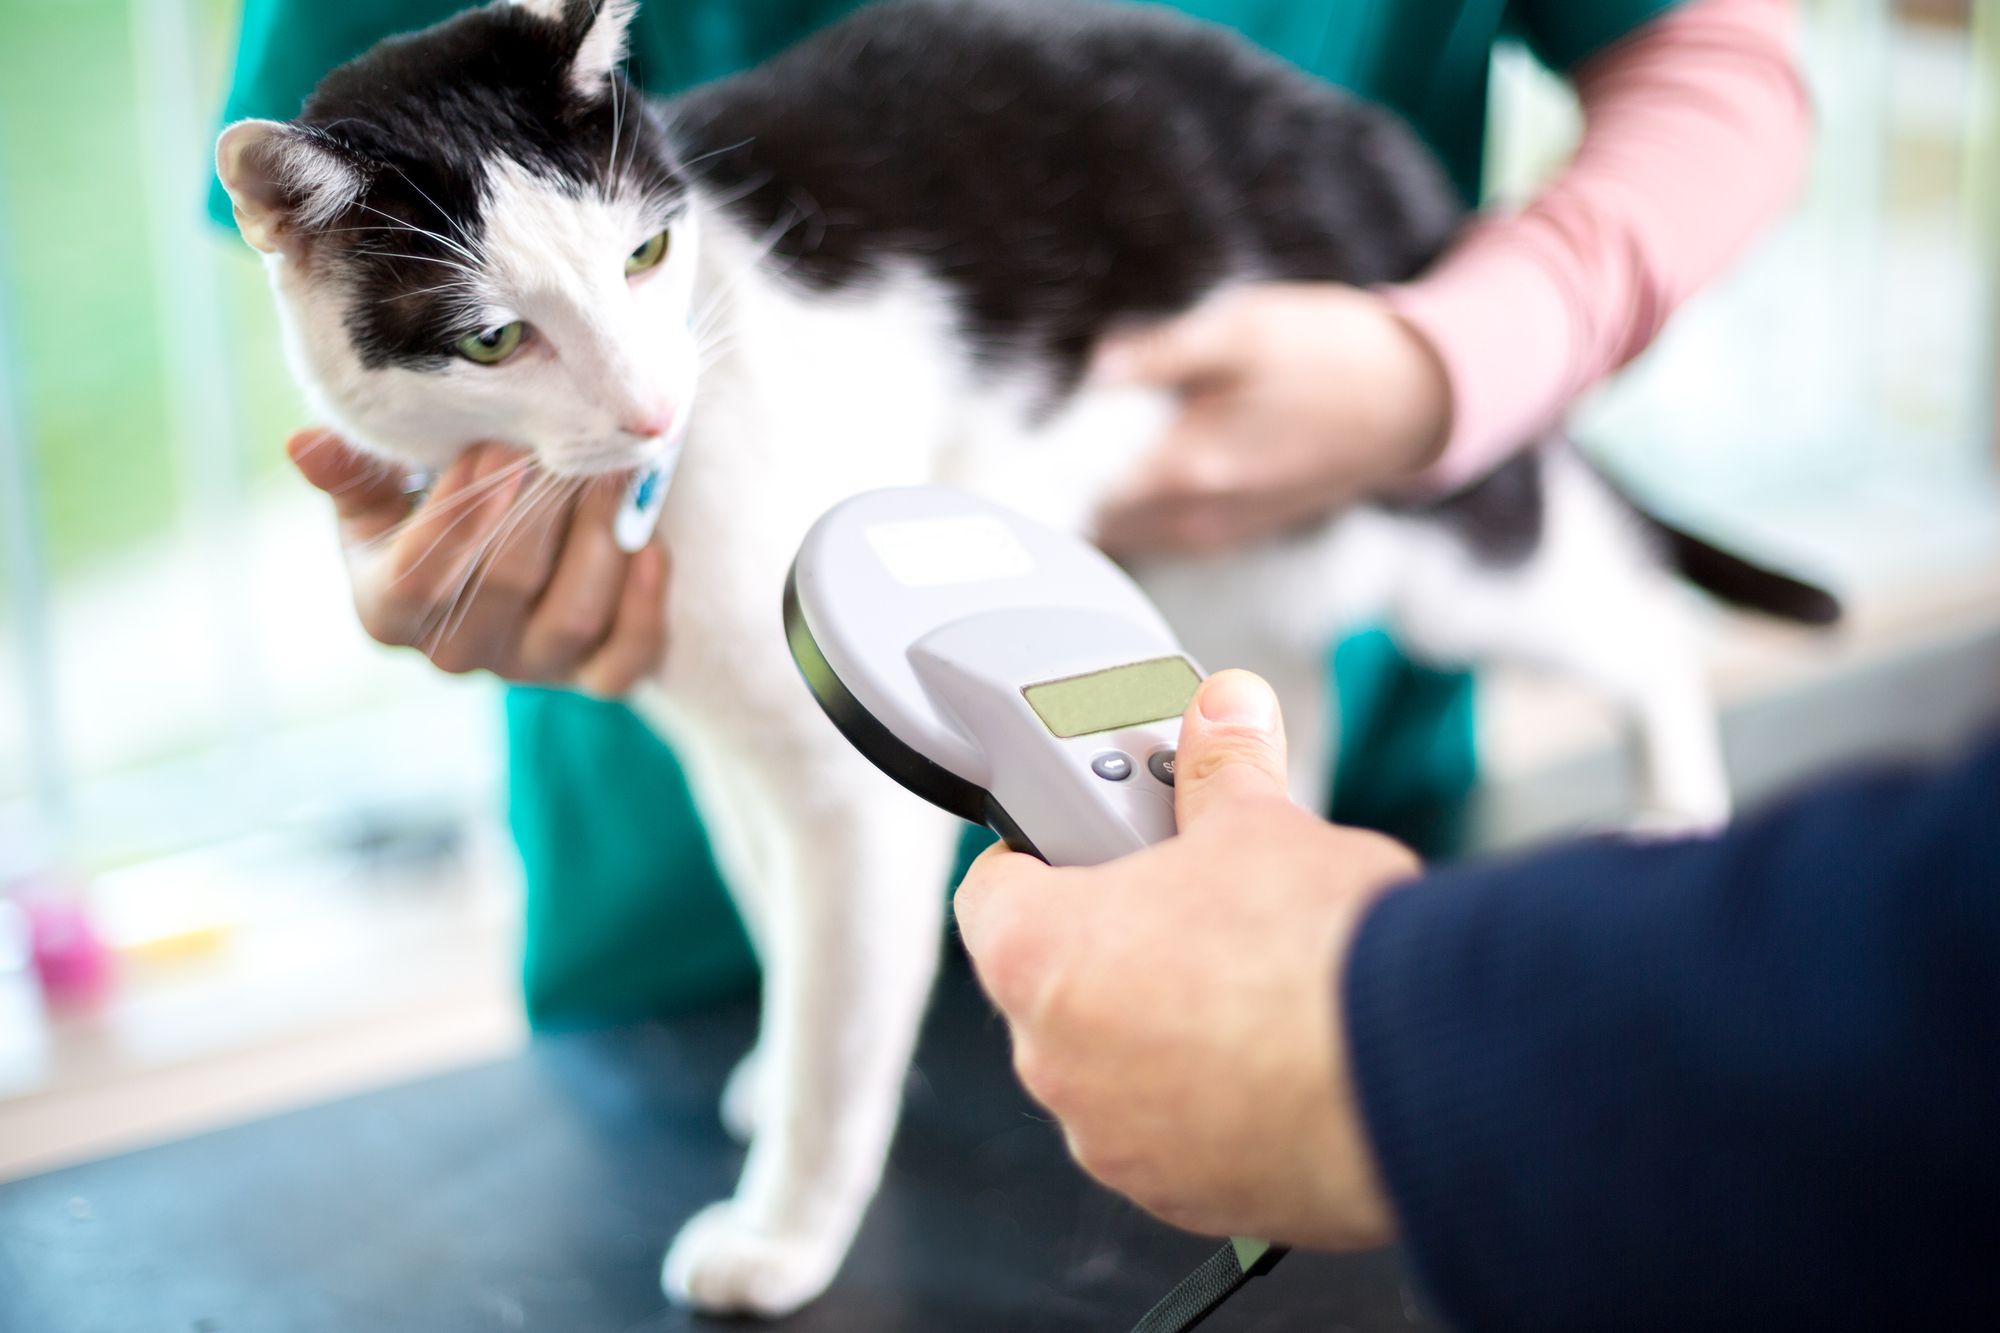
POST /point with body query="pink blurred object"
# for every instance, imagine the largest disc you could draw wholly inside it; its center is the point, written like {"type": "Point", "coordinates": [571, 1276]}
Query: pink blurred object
{"type": "Point", "coordinates": [70, 957]}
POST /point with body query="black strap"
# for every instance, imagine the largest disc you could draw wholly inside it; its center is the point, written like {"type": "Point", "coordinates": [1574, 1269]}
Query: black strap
{"type": "Point", "coordinates": [1201, 1291]}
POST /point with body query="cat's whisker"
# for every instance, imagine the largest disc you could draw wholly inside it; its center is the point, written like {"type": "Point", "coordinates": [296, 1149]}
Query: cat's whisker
{"type": "Point", "coordinates": [466, 279]}
{"type": "Point", "coordinates": [617, 123]}
{"type": "Point", "coordinates": [456, 601]}
{"type": "Point", "coordinates": [702, 320]}
{"type": "Point", "coordinates": [454, 284]}
{"type": "Point", "coordinates": [709, 322]}
{"type": "Point", "coordinates": [472, 274]}
{"type": "Point", "coordinates": [709, 354]}
{"type": "Point", "coordinates": [433, 509]}
{"type": "Point", "coordinates": [716, 340]}
{"type": "Point", "coordinates": [429, 551]}
{"type": "Point", "coordinates": [750, 186]}
{"type": "Point", "coordinates": [553, 492]}
{"type": "Point", "coordinates": [706, 349]}
{"type": "Point", "coordinates": [706, 321]}
{"type": "Point", "coordinates": [473, 278]}
{"type": "Point", "coordinates": [396, 224]}
{"type": "Point", "coordinates": [793, 215]}
{"type": "Point", "coordinates": [472, 257]}
{"type": "Point", "coordinates": [476, 491]}
{"type": "Point", "coordinates": [470, 254]}
{"type": "Point", "coordinates": [712, 308]}
{"type": "Point", "coordinates": [465, 500]}
{"type": "Point", "coordinates": [688, 164]}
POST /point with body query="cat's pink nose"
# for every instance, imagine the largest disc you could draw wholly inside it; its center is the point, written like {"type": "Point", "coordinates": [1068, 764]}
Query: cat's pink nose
{"type": "Point", "coordinates": [655, 420]}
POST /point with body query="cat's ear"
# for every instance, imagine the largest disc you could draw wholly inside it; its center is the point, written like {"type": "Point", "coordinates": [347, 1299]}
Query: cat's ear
{"type": "Point", "coordinates": [284, 182]}
{"type": "Point", "coordinates": [599, 29]}
{"type": "Point", "coordinates": [603, 46]}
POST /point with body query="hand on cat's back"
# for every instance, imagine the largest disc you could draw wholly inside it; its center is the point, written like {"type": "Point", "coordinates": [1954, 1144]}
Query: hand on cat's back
{"type": "Point", "coordinates": [537, 592]}
{"type": "Point", "coordinates": [1297, 399]}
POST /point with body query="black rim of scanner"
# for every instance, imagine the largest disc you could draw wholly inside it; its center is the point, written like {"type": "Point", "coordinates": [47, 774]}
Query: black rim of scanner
{"type": "Point", "coordinates": [865, 732]}
{"type": "Point", "coordinates": [1202, 1292]}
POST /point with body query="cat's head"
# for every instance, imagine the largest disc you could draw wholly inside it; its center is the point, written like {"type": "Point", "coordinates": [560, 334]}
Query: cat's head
{"type": "Point", "coordinates": [478, 233]}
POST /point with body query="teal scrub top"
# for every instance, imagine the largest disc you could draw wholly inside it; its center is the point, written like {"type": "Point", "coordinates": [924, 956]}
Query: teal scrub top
{"type": "Point", "coordinates": [626, 914]}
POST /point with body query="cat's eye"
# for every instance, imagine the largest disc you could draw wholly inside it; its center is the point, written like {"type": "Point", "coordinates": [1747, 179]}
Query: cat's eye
{"type": "Point", "coordinates": [648, 255]}
{"type": "Point", "coordinates": [494, 345]}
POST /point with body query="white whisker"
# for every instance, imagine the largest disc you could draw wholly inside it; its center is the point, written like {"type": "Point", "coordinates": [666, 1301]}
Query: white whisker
{"type": "Point", "coordinates": [544, 490]}
{"type": "Point", "coordinates": [466, 501]}
{"type": "Point", "coordinates": [617, 123]}
{"type": "Point", "coordinates": [700, 320]}
{"type": "Point", "coordinates": [470, 254]}
{"type": "Point", "coordinates": [472, 257]}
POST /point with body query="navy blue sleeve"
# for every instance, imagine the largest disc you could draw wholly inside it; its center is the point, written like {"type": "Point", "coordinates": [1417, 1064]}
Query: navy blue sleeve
{"type": "Point", "coordinates": [1750, 1082]}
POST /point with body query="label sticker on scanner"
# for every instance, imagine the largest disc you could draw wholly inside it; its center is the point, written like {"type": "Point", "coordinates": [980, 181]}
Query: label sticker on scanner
{"type": "Point", "coordinates": [934, 552]}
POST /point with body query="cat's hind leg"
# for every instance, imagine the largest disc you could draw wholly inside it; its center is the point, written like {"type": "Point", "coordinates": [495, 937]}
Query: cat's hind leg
{"type": "Point", "coordinates": [1595, 603]}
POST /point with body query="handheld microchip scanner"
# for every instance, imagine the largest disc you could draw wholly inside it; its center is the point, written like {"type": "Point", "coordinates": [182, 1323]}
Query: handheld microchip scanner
{"type": "Point", "coordinates": [1016, 677]}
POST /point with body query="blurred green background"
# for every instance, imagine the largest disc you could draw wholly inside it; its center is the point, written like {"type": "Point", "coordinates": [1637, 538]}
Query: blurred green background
{"type": "Point", "coordinates": [89, 324]}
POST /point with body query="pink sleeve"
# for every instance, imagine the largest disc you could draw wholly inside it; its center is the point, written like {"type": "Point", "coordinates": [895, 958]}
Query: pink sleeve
{"type": "Point", "coordinates": [1696, 131]}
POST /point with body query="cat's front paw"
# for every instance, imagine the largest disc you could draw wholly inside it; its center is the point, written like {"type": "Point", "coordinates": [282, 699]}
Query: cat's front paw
{"type": "Point", "coordinates": [720, 1265]}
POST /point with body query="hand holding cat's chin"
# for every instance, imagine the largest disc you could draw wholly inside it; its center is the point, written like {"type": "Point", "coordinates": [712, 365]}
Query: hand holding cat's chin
{"type": "Point", "coordinates": [542, 595]}
{"type": "Point", "coordinates": [1176, 1008]}
{"type": "Point", "coordinates": [1297, 399]}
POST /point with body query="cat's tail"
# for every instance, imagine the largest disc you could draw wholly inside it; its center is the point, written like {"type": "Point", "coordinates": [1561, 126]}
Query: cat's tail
{"type": "Point", "coordinates": [1722, 573]}
{"type": "Point", "coordinates": [1733, 578]}
{"type": "Point", "coordinates": [1500, 518]}
{"type": "Point", "coordinates": [1743, 582]}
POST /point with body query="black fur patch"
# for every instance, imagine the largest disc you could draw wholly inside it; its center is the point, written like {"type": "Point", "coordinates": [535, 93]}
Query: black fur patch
{"type": "Point", "coordinates": [1499, 517]}
{"type": "Point", "coordinates": [1063, 168]}
{"type": "Point", "coordinates": [1744, 583]}
{"type": "Point", "coordinates": [422, 114]}
{"type": "Point", "coordinates": [1726, 575]}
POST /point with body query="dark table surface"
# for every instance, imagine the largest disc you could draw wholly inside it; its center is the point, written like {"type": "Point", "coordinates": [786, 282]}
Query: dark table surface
{"type": "Point", "coordinates": [540, 1191]}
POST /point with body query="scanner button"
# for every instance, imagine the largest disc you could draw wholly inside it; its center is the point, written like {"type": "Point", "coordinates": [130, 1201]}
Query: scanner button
{"type": "Point", "coordinates": [1161, 765]}
{"type": "Point", "coordinates": [1112, 766]}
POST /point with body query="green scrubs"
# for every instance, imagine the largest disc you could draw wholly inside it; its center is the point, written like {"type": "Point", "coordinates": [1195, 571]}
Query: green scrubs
{"type": "Point", "coordinates": [626, 915]}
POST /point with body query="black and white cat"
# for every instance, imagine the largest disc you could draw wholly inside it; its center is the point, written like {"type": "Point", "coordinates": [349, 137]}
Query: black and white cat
{"type": "Point", "coordinates": [883, 258]}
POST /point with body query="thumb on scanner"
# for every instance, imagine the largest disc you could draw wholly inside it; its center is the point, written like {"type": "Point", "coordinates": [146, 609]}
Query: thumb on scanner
{"type": "Point", "coordinates": [1232, 747]}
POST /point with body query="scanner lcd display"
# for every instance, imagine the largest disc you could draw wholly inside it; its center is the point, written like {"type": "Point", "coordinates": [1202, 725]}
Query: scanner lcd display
{"type": "Point", "coordinates": [1124, 696]}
